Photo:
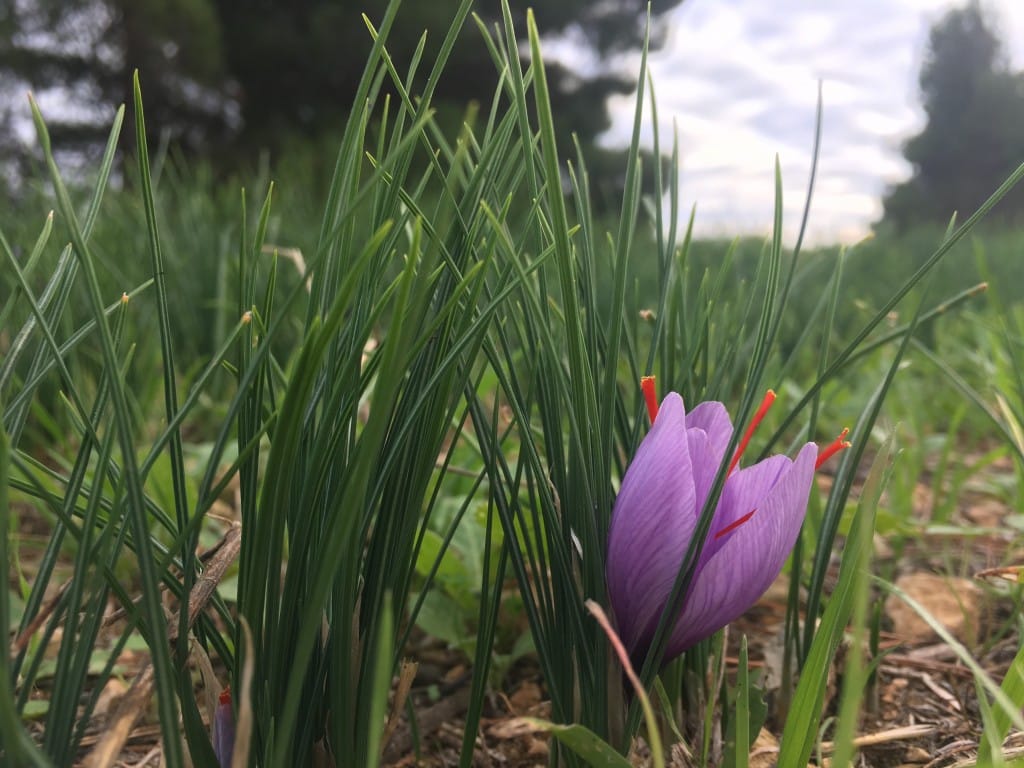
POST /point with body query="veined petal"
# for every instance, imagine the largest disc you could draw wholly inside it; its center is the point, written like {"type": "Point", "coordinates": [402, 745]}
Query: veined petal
{"type": "Point", "coordinates": [749, 558]}
{"type": "Point", "coordinates": [651, 526]}
{"type": "Point", "coordinates": [743, 493]}
{"type": "Point", "coordinates": [712, 417]}
{"type": "Point", "coordinates": [708, 429]}
{"type": "Point", "coordinates": [703, 471]}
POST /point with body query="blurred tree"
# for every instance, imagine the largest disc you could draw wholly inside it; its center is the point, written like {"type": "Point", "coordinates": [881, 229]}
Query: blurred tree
{"type": "Point", "coordinates": [260, 71]}
{"type": "Point", "coordinates": [77, 56]}
{"type": "Point", "coordinates": [974, 135]}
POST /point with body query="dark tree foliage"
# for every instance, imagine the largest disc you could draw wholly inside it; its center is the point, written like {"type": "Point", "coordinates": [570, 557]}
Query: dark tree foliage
{"type": "Point", "coordinates": [78, 55]}
{"type": "Point", "coordinates": [227, 76]}
{"type": "Point", "coordinates": [974, 135]}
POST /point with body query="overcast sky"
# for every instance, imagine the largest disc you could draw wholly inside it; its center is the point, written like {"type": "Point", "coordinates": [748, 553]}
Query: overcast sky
{"type": "Point", "coordinates": [739, 78]}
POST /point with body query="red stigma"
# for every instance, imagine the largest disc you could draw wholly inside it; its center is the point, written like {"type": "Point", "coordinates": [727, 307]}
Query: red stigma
{"type": "Point", "coordinates": [225, 696]}
{"type": "Point", "coordinates": [769, 398]}
{"type": "Point", "coordinates": [735, 524]}
{"type": "Point", "coordinates": [837, 445]}
{"type": "Point", "coordinates": [650, 396]}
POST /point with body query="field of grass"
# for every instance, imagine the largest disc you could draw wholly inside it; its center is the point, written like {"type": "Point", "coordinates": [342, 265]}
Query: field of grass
{"type": "Point", "coordinates": [272, 453]}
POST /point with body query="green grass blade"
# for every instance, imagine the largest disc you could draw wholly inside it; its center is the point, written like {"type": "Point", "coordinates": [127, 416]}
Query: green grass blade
{"type": "Point", "coordinates": [1004, 704]}
{"type": "Point", "coordinates": [990, 733]}
{"type": "Point", "coordinates": [961, 384]}
{"type": "Point", "coordinates": [164, 320]}
{"type": "Point", "coordinates": [736, 747]}
{"type": "Point", "coordinates": [581, 382]}
{"type": "Point", "coordinates": [951, 239]}
{"type": "Point", "coordinates": [179, 489]}
{"type": "Point", "coordinates": [380, 685]}
{"type": "Point", "coordinates": [151, 604]}
{"type": "Point", "coordinates": [623, 243]}
{"type": "Point", "coordinates": [588, 745]}
{"type": "Point", "coordinates": [855, 674]}
{"type": "Point", "coordinates": [1013, 687]}
{"type": "Point", "coordinates": [845, 476]}
{"type": "Point", "coordinates": [800, 732]}
{"type": "Point", "coordinates": [15, 347]}
{"type": "Point", "coordinates": [18, 747]}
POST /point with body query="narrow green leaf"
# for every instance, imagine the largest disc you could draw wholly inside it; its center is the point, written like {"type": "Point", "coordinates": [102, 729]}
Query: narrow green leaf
{"type": "Point", "coordinates": [380, 683]}
{"type": "Point", "coordinates": [1004, 704]}
{"type": "Point", "coordinates": [801, 730]}
{"type": "Point", "coordinates": [18, 746]}
{"type": "Point", "coordinates": [952, 237]}
{"type": "Point", "coordinates": [584, 742]}
{"type": "Point", "coordinates": [739, 725]}
{"type": "Point", "coordinates": [1013, 687]}
{"type": "Point", "coordinates": [992, 757]}
{"type": "Point", "coordinates": [152, 598]}
{"type": "Point", "coordinates": [855, 675]}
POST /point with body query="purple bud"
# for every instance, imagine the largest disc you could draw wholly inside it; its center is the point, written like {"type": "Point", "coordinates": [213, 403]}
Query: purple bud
{"type": "Point", "coordinates": [755, 525]}
{"type": "Point", "coordinates": [224, 729]}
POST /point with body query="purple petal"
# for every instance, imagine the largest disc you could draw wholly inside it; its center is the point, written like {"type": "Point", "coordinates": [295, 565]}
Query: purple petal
{"type": "Point", "coordinates": [747, 560]}
{"type": "Point", "coordinates": [709, 429]}
{"type": "Point", "coordinates": [712, 417]}
{"type": "Point", "coordinates": [744, 491]}
{"type": "Point", "coordinates": [224, 730]}
{"type": "Point", "coordinates": [651, 526]}
{"type": "Point", "coordinates": [704, 469]}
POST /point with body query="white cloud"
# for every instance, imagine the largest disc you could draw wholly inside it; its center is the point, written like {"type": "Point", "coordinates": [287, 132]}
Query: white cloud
{"type": "Point", "coordinates": [739, 80]}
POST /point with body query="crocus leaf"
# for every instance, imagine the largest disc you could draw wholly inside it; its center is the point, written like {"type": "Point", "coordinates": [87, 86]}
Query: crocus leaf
{"type": "Point", "coordinates": [748, 714]}
{"type": "Point", "coordinates": [1013, 687]}
{"type": "Point", "coordinates": [801, 728]}
{"type": "Point", "coordinates": [584, 742]}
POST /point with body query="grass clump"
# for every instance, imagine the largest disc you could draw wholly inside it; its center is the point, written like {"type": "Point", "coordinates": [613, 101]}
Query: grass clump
{"type": "Point", "coordinates": [458, 348]}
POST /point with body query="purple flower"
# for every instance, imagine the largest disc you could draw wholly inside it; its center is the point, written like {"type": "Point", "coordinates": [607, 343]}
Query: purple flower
{"type": "Point", "coordinates": [755, 524]}
{"type": "Point", "coordinates": [224, 729]}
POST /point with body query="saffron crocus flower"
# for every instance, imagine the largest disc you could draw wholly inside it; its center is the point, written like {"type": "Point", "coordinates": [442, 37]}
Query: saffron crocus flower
{"type": "Point", "coordinates": [224, 729]}
{"type": "Point", "coordinates": [756, 523]}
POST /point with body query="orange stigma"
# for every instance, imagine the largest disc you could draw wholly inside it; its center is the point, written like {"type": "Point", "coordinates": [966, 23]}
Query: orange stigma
{"type": "Point", "coordinates": [837, 445]}
{"type": "Point", "coordinates": [769, 398]}
{"type": "Point", "coordinates": [735, 524]}
{"type": "Point", "coordinates": [650, 396]}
